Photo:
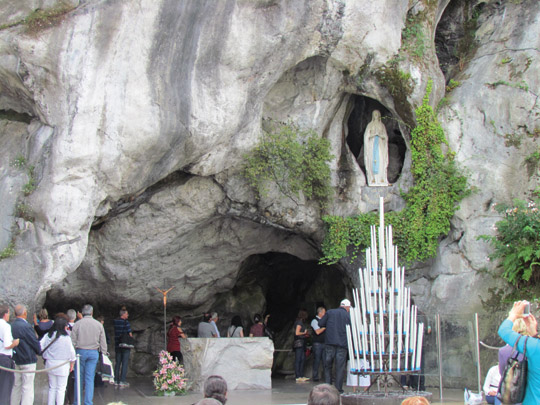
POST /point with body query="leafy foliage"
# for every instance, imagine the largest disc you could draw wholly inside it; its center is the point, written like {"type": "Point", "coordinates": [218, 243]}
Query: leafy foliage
{"type": "Point", "coordinates": [532, 161]}
{"type": "Point", "coordinates": [9, 251]}
{"type": "Point", "coordinates": [413, 37]}
{"type": "Point", "coordinates": [517, 242]}
{"type": "Point", "coordinates": [295, 160]}
{"type": "Point", "coordinates": [400, 86]}
{"type": "Point", "coordinates": [41, 19]}
{"type": "Point", "coordinates": [21, 163]}
{"type": "Point", "coordinates": [431, 202]}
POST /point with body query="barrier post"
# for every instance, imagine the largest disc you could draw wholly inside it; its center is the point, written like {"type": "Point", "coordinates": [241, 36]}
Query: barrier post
{"type": "Point", "coordinates": [479, 372]}
{"type": "Point", "coordinates": [78, 378]}
{"type": "Point", "coordinates": [439, 355]}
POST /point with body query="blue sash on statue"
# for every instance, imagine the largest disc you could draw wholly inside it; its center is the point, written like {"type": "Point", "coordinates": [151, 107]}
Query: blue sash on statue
{"type": "Point", "coordinates": [376, 155]}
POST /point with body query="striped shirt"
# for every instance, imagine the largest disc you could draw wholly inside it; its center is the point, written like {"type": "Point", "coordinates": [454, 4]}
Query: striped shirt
{"type": "Point", "coordinates": [121, 326]}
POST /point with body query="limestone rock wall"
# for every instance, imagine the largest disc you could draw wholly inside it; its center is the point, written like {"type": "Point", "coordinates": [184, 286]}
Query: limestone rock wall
{"type": "Point", "coordinates": [132, 120]}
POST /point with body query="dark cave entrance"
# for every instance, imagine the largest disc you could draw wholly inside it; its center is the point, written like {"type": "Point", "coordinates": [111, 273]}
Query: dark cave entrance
{"type": "Point", "coordinates": [359, 118]}
{"type": "Point", "coordinates": [280, 284]}
{"type": "Point", "coordinates": [455, 42]}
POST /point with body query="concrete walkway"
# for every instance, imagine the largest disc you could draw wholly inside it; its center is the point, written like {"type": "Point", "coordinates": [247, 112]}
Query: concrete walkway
{"type": "Point", "coordinates": [284, 391]}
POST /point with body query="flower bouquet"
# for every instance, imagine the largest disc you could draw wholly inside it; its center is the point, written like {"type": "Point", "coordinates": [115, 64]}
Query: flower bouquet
{"type": "Point", "coordinates": [169, 377]}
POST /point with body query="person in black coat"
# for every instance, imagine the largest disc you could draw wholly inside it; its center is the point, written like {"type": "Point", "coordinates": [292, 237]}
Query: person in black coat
{"type": "Point", "coordinates": [24, 357]}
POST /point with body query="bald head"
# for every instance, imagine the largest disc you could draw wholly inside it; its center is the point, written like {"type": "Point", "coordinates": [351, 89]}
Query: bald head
{"type": "Point", "coordinates": [20, 311]}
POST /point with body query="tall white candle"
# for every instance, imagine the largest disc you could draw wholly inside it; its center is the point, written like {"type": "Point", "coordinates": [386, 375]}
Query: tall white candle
{"type": "Point", "coordinates": [355, 353]}
{"type": "Point", "coordinates": [413, 336]}
{"type": "Point", "coordinates": [419, 346]}
{"type": "Point", "coordinates": [391, 329]}
{"type": "Point", "coordinates": [381, 322]}
{"type": "Point", "coordinates": [368, 258]}
{"type": "Point", "coordinates": [350, 345]}
{"type": "Point", "coordinates": [372, 344]}
{"type": "Point", "coordinates": [381, 347]}
{"type": "Point", "coordinates": [406, 324]}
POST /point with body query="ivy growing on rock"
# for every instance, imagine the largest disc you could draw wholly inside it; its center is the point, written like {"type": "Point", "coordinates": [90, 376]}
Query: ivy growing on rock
{"type": "Point", "coordinates": [431, 202]}
{"type": "Point", "coordinates": [294, 160]}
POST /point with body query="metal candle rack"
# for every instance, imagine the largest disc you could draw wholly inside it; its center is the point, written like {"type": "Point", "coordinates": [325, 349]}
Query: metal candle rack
{"type": "Point", "coordinates": [383, 331]}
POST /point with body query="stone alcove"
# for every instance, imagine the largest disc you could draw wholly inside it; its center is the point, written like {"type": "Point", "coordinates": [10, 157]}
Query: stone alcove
{"type": "Point", "coordinates": [360, 116]}
{"type": "Point", "coordinates": [455, 40]}
{"type": "Point", "coordinates": [280, 284]}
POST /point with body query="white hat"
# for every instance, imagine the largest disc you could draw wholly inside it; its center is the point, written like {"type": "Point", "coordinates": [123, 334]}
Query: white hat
{"type": "Point", "coordinates": [345, 303]}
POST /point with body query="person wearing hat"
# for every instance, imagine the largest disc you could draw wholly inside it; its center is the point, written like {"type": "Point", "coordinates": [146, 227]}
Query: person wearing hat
{"type": "Point", "coordinates": [335, 321]}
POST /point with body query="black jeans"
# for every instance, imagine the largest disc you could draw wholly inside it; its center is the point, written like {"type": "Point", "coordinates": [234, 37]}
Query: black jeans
{"type": "Point", "coordinates": [6, 379]}
{"type": "Point", "coordinates": [338, 353]}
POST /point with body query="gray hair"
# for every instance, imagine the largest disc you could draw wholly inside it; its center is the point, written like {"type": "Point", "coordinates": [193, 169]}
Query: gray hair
{"type": "Point", "coordinates": [87, 310]}
{"type": "Point", "coordinates": [215, 387]}
{"type": "Point", "coordinates": [214, 315]}
{"type": "Point", "coordinates": [71, 314]}
{"type": "Point", "coordinates": [208, 401]}
{"type": "Point", "coordinates": [323, 394]}
{"type": "Point", "coordinates": [320, 309]}
{"type": "Point", "coordinates": [20, 309]}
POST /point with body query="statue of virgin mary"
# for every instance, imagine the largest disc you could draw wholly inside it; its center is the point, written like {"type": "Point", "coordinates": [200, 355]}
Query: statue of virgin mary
{"type": "Point", "coordinates": [376, 151]}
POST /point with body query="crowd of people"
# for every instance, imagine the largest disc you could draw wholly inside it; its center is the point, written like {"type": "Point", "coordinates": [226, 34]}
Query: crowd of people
{"type": "Point", "coordinates": [208, 328]}
{"type": "Point", "coordinates": [58, 340]}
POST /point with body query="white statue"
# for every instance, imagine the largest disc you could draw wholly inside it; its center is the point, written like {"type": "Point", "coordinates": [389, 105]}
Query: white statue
{"type": "Point", "coordinates": [376, 151]}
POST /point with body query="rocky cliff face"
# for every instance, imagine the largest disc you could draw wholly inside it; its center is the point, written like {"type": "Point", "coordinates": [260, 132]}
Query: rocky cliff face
{"type": "Point", "coordinates": [124, 128]}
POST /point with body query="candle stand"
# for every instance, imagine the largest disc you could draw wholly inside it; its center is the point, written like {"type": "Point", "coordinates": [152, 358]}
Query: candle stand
{"type": "Point", "coordinates": [384, 338]}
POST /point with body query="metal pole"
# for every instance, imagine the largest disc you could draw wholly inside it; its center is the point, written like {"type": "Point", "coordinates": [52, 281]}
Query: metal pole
{"type": "Point", "coordinates": [439, 352]}
{"type": "Point", "coordinates": [478, 353]}
{"type": "Point", "coordinates": [78, 379]}
{"type": "Point", "coordinates": [165, 324]}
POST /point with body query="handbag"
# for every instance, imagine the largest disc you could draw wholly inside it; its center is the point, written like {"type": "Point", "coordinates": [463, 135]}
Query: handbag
{"type": "Point", "coordinates": [472, 398]}
{"type": "Point", "coordinates": [514, 379]}
{"type": "Point", "coordinates": [104, 366]}
{"type": "Point", "coordinates": [298, 343]}
{"type": "Point", "coordinates": [126, 341]}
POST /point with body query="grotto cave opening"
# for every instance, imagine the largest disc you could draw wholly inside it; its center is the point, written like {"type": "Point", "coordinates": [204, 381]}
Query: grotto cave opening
{"type": "Point", "coordinates": [280, 284]}
{"type": "Point", "coordinates": [455, 42]}
{"type": "Point", "coordinates": [359, 118]}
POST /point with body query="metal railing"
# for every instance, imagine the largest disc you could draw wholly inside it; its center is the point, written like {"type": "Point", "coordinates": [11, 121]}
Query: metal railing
{"type": "Point", "coordinates": [44, 370]}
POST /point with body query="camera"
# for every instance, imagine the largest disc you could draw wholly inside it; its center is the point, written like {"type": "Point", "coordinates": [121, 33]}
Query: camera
{"type": "Point", "coordinates": [527, 310]}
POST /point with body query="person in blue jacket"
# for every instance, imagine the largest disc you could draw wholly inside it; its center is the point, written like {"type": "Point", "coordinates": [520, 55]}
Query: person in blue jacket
{"type": "Point", "coordinates": [24, 357]}
{"type": "Point", "coordinates": [532, 393]}
{"type": "Point", "coordinates": [335, 321]}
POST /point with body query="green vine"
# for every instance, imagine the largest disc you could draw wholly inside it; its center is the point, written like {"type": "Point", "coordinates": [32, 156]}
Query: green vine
{"type": "Point", "coordinates": [431, 202]}
{"type": "Point", "coordinates": [294, 160]}
{"type": "Point", "coordinates": [413, 37]}
{"type": "Point", "coordinates": [517, 244]}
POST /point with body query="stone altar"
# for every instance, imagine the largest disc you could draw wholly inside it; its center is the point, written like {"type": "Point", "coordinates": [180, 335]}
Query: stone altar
{"type": "Point", "coordinates": [245, 363]}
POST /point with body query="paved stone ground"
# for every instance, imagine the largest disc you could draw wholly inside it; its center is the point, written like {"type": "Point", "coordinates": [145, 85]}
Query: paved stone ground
{"type": "Point", "coordinates": [284, 391]}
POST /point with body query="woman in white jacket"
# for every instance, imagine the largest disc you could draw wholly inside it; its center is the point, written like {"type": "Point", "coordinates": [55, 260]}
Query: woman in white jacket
{"type": "Point", "coordinates": [57, 348]}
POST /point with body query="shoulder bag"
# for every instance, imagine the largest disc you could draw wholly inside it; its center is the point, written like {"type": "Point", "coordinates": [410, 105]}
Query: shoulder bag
{"type": "Point", "coordinates": [125, 341]}
{"type": "Point", "coordinates": [514, 379]}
